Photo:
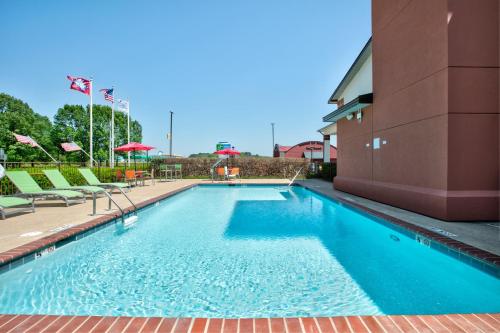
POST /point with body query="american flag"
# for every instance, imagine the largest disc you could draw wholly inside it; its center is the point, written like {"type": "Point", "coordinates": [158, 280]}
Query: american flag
{"type": "Point", "coordinates": [108, 94]}
{"type": "Point", "coordinates": [70, 146]}
{"type": "Point", "coordinates": [26, 140]}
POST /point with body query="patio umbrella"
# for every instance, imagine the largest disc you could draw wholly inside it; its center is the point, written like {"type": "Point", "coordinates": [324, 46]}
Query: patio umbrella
{"type": "Point", "coordinates": [134, 146]}
{"type": "Point", "coordinates": [228, 152]}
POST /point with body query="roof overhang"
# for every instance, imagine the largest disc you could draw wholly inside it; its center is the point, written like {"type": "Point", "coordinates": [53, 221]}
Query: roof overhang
{"type": "Point", "coordinates": [330, 129]}
{"type": "Point", "coordinates": [353, 70]}
{"type": "Point", "coordinates": [356, 104]}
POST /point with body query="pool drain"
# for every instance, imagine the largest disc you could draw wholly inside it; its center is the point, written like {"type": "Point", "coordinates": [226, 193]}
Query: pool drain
{"type": "Point", "coordinates": [394, 238]}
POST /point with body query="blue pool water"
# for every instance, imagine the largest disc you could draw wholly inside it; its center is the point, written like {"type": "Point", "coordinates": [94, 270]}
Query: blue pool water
{"type": "Point", "coordinates": [256, 251]}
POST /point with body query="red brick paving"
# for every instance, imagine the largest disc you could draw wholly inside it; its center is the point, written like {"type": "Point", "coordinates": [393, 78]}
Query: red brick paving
{"type": "Point", "coordinates": [199, 325]}
{"type": "Point", "coordinates": [166, 325]}
{"type": "Point", "coordinates": [325, 325]}
{"type": "Point", "coordinates": [357, 325]}
{"type": "Point", "coordinates": [214, 326]}
{"type": "Point", "coordinates": [483, 323]}
{"type": "Point", "coordinates": [309, 325]}
{"type": "Point", "coordinates": [340, 324]}
{"type": "Point", "coordinates": [293, 325]}
{"type": "Point", "coordinates": [230, 326]}
{"type": "Point", "coordinates": [277, 325]}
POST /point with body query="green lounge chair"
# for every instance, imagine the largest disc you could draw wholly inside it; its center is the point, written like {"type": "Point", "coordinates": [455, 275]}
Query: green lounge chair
{"type": "Point", "coordinates": [15, 205]}
{"type": "Point", "coordinates": [29, 188]}
{"type": "Point", "coordinates": [92, 180]}
{"type": "Point", "coordinates": [60, 183]}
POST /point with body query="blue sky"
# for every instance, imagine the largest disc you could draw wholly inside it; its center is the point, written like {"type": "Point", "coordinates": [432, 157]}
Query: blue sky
{"type": "Point", "coordinates": [226, 68]}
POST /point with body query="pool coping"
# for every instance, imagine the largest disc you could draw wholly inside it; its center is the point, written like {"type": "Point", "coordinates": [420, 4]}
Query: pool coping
{"type": "Point", "coordinates": [487, 322]}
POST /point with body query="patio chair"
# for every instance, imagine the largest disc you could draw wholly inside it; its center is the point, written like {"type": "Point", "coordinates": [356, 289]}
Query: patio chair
{"type": "Point", "coordinates": [178, 171]}
{"type": "Point", "coordinates": [60, 183]}
{"type": "Point", "coordinates": [119, 175]}
{"type": "Point", "coordinates": [165, 170]}
{"type": "Point", "coordinates": [222, 173]}
{"type": "Point", "coordinates": [15, 205]}
{"type": "Point", "coordinates": [92, 180]}
{"type": "Point", "coordinates": [234, 173]}
{"type": "Point", "coordinates": [144, 175]}
{"type": "Point", "coordinates": [29, 188]}
{"type": "Point", "coordinates": [131, 177]}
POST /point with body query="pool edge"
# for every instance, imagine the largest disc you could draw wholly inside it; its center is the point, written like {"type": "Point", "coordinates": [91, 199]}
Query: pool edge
{"type": "Point", "coordinates": [485, 322]}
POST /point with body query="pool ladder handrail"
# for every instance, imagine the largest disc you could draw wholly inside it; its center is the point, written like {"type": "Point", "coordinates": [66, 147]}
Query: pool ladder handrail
{"type": "Point", "coordinates": [294, 177]}
{"type": "Point", "coordinates": [134, 211]}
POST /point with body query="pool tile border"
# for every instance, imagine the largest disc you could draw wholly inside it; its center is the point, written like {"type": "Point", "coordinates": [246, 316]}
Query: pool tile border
{"type": "Point", "coordinates": [469, 254]}
{"type": "Point", "coordinates": [485, 323]}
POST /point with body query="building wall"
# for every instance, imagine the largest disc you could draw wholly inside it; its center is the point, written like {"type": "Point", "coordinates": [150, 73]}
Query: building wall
{"type": "Point", "coordinates": [436, 105]}
{"type": "Point", "coordinates": [361, 84]}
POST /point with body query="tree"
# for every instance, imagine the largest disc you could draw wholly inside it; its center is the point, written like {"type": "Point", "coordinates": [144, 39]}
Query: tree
{"type": "Point", "coordinates": [71, 123]}
{"type": "Point", "coordinates": [17, 117]}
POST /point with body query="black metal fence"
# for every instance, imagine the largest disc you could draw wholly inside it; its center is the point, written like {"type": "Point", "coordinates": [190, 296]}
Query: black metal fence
{"type": "Point", "coordinates": [70, 171]}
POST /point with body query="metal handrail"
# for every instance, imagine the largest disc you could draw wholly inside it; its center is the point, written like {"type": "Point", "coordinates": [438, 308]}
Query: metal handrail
{"type": "Point", "coordinates": [294, 177]}
{"type": "Point", "coordinates": [134, 211]}
{"type": "Point", "coordinates": [212, 169]}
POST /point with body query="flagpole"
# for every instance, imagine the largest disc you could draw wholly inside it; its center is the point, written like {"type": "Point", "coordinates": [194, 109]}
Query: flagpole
{"type": "Point", "coordinates": [112, 163]}
{"type": "Point", "coordinates": [110, 153]}
{"type": "Point", "coordinates": [128, 128]}
{"type": "Point", "coordinates": [53, 159]}
{"type": "Point", "coordinates": [91, 128]}
{"type": "Point", "coordinates": [85, 153]}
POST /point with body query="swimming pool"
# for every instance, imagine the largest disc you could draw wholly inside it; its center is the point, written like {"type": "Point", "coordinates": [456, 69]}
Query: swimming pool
{"type": "Point", "coordinates": [247, 251]}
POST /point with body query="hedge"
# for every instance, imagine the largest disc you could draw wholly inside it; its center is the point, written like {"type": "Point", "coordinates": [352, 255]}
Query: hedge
{"type": "Point", "coordinates": [191, 168]}
{"type": "Point", "coordinates": [249, 166]}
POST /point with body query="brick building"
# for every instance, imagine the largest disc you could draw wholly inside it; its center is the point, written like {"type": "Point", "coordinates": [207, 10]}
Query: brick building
{"type": "Point", "coordinates": [417, 118]}
{"type": "Point", "coordinates": [308, 149]}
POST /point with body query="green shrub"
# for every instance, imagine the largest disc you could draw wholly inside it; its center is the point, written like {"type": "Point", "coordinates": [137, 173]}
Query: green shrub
{"type": "Point", "coordinates": [328, 171]}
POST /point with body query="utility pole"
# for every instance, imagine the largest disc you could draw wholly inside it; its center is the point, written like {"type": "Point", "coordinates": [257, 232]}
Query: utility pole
{"type": "Point", "coordinates": [171, 116]}
{"type": "Point", "coordinates": [272, 127]}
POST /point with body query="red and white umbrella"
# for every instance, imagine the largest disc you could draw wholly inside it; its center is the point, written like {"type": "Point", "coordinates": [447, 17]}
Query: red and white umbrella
{"type": "Point", "coordinates": [134, 146]}
{"type": "Point", "coordinates": [227, 151]}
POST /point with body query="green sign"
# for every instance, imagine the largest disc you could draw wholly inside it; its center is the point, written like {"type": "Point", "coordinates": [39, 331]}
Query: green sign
{"type": "Point", "coordinates": [222, 145]}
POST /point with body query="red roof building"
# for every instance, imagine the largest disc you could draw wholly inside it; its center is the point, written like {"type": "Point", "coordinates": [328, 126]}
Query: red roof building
{"type": "Point", "coordinates": [308, 149]}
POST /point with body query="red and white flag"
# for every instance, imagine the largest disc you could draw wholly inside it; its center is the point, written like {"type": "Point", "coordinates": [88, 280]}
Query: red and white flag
{"type": "Point", "coordinates": [80, 84]}
{"type": "Point", "coordinates": [26, 140]}
{"type": "Point", "coordinates": [70, 146]}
